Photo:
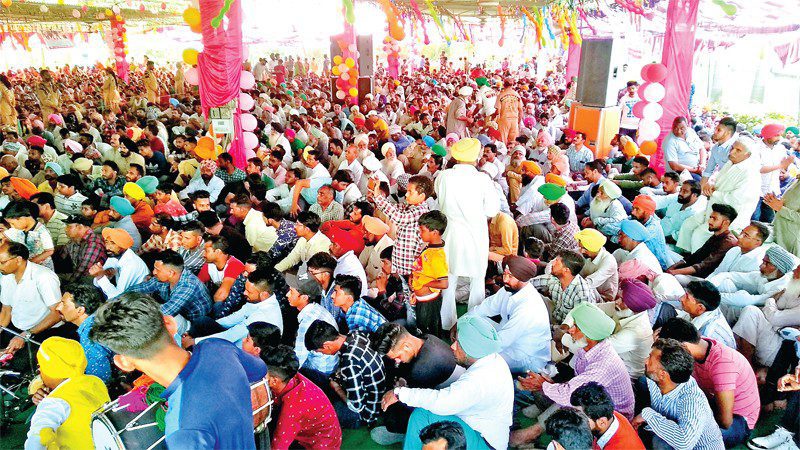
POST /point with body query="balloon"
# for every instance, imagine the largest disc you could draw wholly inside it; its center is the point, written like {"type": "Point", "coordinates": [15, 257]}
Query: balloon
{"type": "Point", "coordinates": [174, 102]}
{"type": "Point", "coordinates": [250, 140]}
{"type": "Point", "coordinates": [353, 81]}
{"type": "Point", "coordinates": [6, 3]}
{"type": "Point", "coordinates": [115, 9]}
{"type": "Point", "coordinates": [349, 62]}
{"type": "Point", "coordinates": [648, 148]}
{"type": "Point", "coordinates": [246, 102]}
{"type": "Point", "coordinates": [652, 111]}
{"type": "Point", "coordinates": [190, 56]}
{"type": "Point", "coordinates": [196, 29]}
{"type": "Point", "coordinates": [654, 92]}
{"type": "Point", "coordinates": [109, 13]}
{"type": "Point", "coordinates": [335, 71]}
{"type": "Point", "coordinates": [638, 109]}
{"type": "Point", "coordinates": [344, 67]}
{"type": "Point", "coordinates": [76, 14]}
{"type": "Point", "coordinates": [340, 94]}
{"type": "Point", "coordinates": [44, 8]}
{"type": "Point", "coordinates": [352, 47]}
{"type": "Point", "coordinates": [353, 92]}
{"type": "Point", "coordinates": [337, 59]}
{"type": "Point", "coordinates": [249, 122]}
{"type": "Point", "coordinates": [648, 130]}
{"type": "Point", "coordinates": [654, 73]}
{"type": "Point", "coordinates": [192, 76]}
{"type": "Point", "coordinates": [345, 76]}
{"type": "Point", "coordinates": [729, 9]}
{"type": "Point", "coordinates": [247, 81]}
{"type": "Point", "coordinates": [640, 91]}
{"type": "Point", "coordinates": [191, 16]}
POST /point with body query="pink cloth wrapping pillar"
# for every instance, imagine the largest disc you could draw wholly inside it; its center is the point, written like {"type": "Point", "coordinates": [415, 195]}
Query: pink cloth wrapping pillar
{"type": "Point", "coordinates": [220, 67]}
{"type": "Point", "coordinates": [678, 57]}
{"type": "Point", "coordinates": [573, 60]}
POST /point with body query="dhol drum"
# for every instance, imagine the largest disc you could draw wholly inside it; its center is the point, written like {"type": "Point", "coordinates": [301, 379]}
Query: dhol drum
{"type": "Point", "coordinates": [115, 428]}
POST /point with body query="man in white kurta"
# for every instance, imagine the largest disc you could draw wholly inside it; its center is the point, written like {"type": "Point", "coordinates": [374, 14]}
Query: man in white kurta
{"type": "Point", "coordinates": [738, 185]}
{"type": "Point", "coordinates": [468, 199]}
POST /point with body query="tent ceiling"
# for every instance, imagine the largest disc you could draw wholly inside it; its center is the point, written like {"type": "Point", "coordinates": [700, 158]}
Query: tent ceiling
{"type": "Point", "coordinates": [30, 12]}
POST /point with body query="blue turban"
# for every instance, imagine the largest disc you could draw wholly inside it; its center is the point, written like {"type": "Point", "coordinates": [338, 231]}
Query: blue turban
{"type": "Point", "coordinates": [122, 206]}
{"type": "Point", "coordinates": [429, 141]}
{"type": "Point", "coordinates": [635, 230]}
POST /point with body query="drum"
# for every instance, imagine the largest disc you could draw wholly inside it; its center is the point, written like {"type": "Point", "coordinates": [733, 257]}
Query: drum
{"type": "Point", "coordinates": [115, 428]}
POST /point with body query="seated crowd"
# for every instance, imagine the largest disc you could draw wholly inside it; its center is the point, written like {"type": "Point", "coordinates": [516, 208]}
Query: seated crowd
{"type": "Point", "coordinates": [615, 308]}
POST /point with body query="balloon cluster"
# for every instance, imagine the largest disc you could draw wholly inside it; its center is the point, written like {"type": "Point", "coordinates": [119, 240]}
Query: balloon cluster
{"type": "Point", "coordinates": [345, 71]}
{"type": "Point", "coordinates": [5, 3]}
{"type": "Point", "coordinates": [649, 110]}
{"type": "Point", "coordinates": [116, 39]}
{"type": "Point", "coordinates": [392, 49]}
{"type": "Point", "coordinates": [191, 16]}
{"type": "Point", "coordinates": [247, 81]}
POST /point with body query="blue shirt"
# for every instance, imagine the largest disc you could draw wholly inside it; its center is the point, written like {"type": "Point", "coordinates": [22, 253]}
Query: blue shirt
{"type": "Point", "coordinates": [363, 317]}
{"type": "Point", "coordinates": [680, 150]}
{"type": "Point", "coordinates": [189, 298]}
{"type": "Point", "coordinates": [657, 243]}
{"type": "Point", "coordinates": [719, 156]}
{"type": "Point", "coordinates": [216, 410]}
{"type": "Point", "coordinates": [98, 357]}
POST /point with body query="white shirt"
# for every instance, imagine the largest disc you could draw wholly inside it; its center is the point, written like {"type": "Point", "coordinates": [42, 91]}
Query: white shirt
{"type": "Point", "coordinates": [483, 397]}
{"type": "Point", "coordinates": [355, 168]}
{"type": "Point", "coordinates": [348, 264]}
{"type": "Point", "coordinates": [349, 195]}
{"type": "Point", "coordinates": [632, 342]}
{"type": "Point", "coordinates": [735, 261]}
{"type": "Point", "coordinates": [30, 299]}
{"type": "Point", "coordinates": [214, 187]}
{"type": "Point", "coordinates": [312, 312]}
{"type": "Point", "coordinates": [524, 327]}
{"type": "Point", "coordinates": [130, 270]}
{"type": "Point", "coordinates": [602, 273]}
{"type": "Point", "coordinates": [268, 311]}
{"type": "Point", "coordinates": [771, 156]}
{"type": "Point", "coordinates": [646, 257]}
{"type": "Point", "coordinates": [259, 235]}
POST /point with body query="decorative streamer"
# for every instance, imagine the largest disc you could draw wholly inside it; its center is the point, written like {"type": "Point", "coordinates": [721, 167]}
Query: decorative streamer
{"type": "Point", "coordinates": [437, 20]}
{"type": "Point", "coordinates": [217, 21]}
{"type": "Point", "coordinates": [574, 32]}
{"type": "Point", "coordinates": [502, 25]}
{"type": "Point", "coordinates": [586, 20]}
{"type": "Point", "coordinates": [536, 20]}
{"type": "Point", "coordinates": [524, 27]}
{"type": "Point", "coordinates": [546, 19]}
{"type": "Point", "coordinates": [349, 11]}
{"type": "Point", "coordinates": [421, 20]}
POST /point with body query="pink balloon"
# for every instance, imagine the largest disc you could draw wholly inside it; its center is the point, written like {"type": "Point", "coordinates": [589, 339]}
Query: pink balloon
{"type": "Point", "coordinates": [249, 122]}
{"type": "Point", "coordinates": [654, 73]}
{"type": "Point", "coordinates": [638, 109]}
{"type": "Point", "coordinates": [192, 76]}
{"type": "Point", "coordinates": [640, 91]}
{"type": "Point", "coordinates": [246, 103]}
{"type": "Point", "coordinates": [250, 153]}
{"type": "Point", "coordinates": [247, 81]}
{"type": "Point", "coordinates": [250, 140]}
{"type": "Point", "coordinates": [245, 52]}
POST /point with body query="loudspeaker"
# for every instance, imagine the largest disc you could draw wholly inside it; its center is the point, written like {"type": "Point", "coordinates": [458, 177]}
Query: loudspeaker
{"type": "Point", "coordinates": [598, 76]}
{"type": "Point", "coordinates": [366, 60]}
{"type": "Point", "coordinates": [599, 124]}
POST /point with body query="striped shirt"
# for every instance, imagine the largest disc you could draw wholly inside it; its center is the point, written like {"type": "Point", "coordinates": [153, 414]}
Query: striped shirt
{"type": "Point", "coordinates": [312, 359]}
{"type": "Point", "coordinates": [69, 205]}
{"type": "Point", "coordinates": [682, 417]}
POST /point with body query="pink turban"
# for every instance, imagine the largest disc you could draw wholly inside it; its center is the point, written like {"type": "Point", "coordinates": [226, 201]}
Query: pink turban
{"type": "Point", "coordinates": [290, 134]}
{"type": "Point", "coordinates": [544, 139]}
{"type": "Point", "coordinates": [209, 165]}
{"type": "Point", "coordinates": [57, 119]}
{"type": "Point", "coordinates": [634, 269]}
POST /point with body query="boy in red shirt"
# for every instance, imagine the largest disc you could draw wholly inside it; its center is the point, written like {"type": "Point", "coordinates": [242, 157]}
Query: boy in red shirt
{"type": "Point", "coordinates": [611, 429]}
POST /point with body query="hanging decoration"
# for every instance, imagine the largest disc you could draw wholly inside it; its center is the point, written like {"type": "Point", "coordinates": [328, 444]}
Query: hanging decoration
{"type": "Point", "coordinates": [649, 110]}
{"type": "Point", "coordinates": [392, 49]}
{"type": "Point", "coordinates": [395, 27]}
{"type": "Point", "coordinates": [421, 20]}
{"type": "Point", "coordinates": [117, 40]}
{"type": "Point", "coordinates": [524, 28]}
{"type": "Point", "coordinates": [345, 65]}
{"type": "Point", "coordinates": [502, 25]}
{"type": "Point", "coordinates": [349, 11]}
{"type": "Point", "coordinates": [437, 19]}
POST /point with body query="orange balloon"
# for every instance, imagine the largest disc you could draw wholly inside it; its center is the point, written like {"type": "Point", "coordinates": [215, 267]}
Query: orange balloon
{"type": "Point", "coordinates": [648, 148]}
{"type": "Point", "coordinates": [197, 29]}
{"type": "Point", "coordinates": [353, 81]}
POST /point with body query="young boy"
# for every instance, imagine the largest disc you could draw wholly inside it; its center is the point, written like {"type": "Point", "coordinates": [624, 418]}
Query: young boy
{"type": "Point", "coordinates": [261, 336]}
{"type": "Point", "coordinates": [392, 290]}
{"type": "Point", "coordinates": [429, 274]}
{"type": "Point", "coordinates": [62, 418]}
{"type": "Point", "coordinates": [408, 244]}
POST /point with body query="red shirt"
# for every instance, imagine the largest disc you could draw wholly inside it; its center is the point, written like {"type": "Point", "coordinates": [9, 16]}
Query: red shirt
{"type": "Point", "coordinates": [233, 268]}
{"type": "Point", "coordinates": [306, 416]}
{"type": "Point", "coordinates": [625, 438]}
{"type": "Point", "coordinates": [156, 145]}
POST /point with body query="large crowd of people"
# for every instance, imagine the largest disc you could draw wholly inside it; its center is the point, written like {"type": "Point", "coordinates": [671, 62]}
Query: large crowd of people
{"type": "Point", "coordinates": [616, 308]}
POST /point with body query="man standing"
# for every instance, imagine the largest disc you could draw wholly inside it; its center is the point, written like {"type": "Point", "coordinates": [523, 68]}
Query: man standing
{"type": "Point", "coordinates": [135, 329]}
{"type": "Point", "coordinates": [629, 123]}
{"type": "Point", "coordinates": [457, 119]}
{"type": "Point", "coordinates": [468, 199]}
{"type": "Point", "coordinates": [509, 112]}
{"type": "Point", "coordinates": [774, 159]}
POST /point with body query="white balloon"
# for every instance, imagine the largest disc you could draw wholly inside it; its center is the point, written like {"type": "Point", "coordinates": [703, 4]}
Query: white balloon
{"type": "Point", "coordinates": [654, 92]}
{"type": "Point", "coordinates": [652, 111]}
{"type": "Point", "coordinates": [352, 47]}
{"type": "Point", "coordinates": [345, 76]}
{"type": "Point", "coordinates": [648, 130]}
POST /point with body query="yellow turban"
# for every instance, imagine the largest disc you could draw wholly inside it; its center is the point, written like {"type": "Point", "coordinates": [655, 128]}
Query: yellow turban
{"type": "Point", "coordinates": [188, 167]}
{"type": "Point", "coordinates": [555, 179]}
{"type": "Point", "coordinates": [61, 358]}
{"type": "Point", "coordinates": [466, 150]}
{"type": "Point", "coordinates": [531, 166]}
{"type": "Point", "coordinates": [3, 172]}
{"type": "Point", "coordinates": [591, 239]}
{"type": "Point", "coordinates": [133, 191]}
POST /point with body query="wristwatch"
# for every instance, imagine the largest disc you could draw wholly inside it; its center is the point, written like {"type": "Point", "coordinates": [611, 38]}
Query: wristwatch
{"type": "Point", "coordinates": [25, 334]}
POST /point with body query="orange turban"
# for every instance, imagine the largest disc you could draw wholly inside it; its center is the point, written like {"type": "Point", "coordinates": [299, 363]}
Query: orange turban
{"type": "Point", "coordinates": [531, 167]}
{"type": "Point", "coordinates": [645, 203]}
{"type": "Point", "coordinates": [555, 179]}
{"type": "Point", "coordinates": [119, 237]}
{"type": "Point", "coordinates": [24, 187]}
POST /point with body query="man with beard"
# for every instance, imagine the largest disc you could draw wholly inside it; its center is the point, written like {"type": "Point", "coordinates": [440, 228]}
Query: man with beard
{"type": "Point", "coordinates": [734, 186]}
{"type": "Point", "coordinates": [600, 269]}
{"type": "Point", "coordinates": [48, 94]}
{"type": "Point", "coordinates": [754, 288]}
{"type": "Point", "coordinates": [85, 247]}
{"type": "Point", "coordinates": [724, 136]}
{"type": "Point", "coordinates": [135, 173]}
{"type": "Point", "coordinates": [122, 152]}
{"type": "Point", "coordinates": [757, 332]}
{"type": "Point", "coordinates": [154, 163]}
{"type": "Point", "coordinates": [48, 181]}
{"type": "Point", "coordinates": [524, 327]}
{"type": "Point", "coordinates": [644, 212]}
{"type": "Point", "coordinates": [701, 263]}
{"type": "Point", "coordinates": [611, 429]}
{"type": "Point", "coordinates": [206, 182]}
{"type": "Point", "coordinates": [122, 260]}
{"type": "Point", "coordinates": [457, 119]}
{"type": "Point", "coordinates": [605, 210]}
{"type": "Point", "coordinates": [109, 184]}
{"type": "Point", "coordinates": [678, 209]}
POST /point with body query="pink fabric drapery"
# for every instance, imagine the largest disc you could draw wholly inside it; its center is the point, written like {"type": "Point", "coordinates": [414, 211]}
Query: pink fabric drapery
{"type": "Point", "coordinates": [220, 67]}
{"type": "Point", "coordinates": [677, 56]}
{"type": "Point", "coordinates": [573, 60]}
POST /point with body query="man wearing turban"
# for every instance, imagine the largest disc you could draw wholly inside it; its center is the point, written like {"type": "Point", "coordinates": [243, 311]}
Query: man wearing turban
{"type": "Point", "coordinates": [456, 119]}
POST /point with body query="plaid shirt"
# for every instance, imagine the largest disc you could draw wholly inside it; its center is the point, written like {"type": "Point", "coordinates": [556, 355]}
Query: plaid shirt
{"type": "Point", "coordinates": [189, 298]}
{"type": "Point", "coordinates": [408, 245]}
{"type": "Point", "coordinates": [311, 359]}
{"type": "Point", "coordinates": [158, 244]}
{"type": "Point", "coordinates": [237, 175]}
{"type": "Point", "coordinates": [564, 300]}
{"type": "Point", "coordinates": [363, 317]}
{"type": "Point", "coordinates": [234, 301]}
{"type": "Point", "coordinates": [287, 238]}
{"type": "Point", "coordinates": [85, 253]}
{"type": "Point", "coordinates": [334, 211]}
{"type": "Point", "coordinates": [361, 375]}
{"type": "Point", "coordinates": [563, 239]}
{"type": "Point", "coordinates": [109, 190]}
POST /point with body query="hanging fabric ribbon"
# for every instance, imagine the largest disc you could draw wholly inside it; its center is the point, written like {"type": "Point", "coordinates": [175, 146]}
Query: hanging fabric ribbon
{"type": "Point", "coordinates": [349, 11]}
{"type": "Point", "coordinates": [502, 25]}
{"type": "Point", "coordinates": [436, 19]}
{"type": "Point", "coordinates": [524, 27]}
{"type": "Point", "coordinates": [421, 20]}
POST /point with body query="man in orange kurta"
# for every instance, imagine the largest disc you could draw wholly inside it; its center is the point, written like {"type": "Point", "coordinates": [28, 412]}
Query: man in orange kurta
{"type": "Point", "coordinates": [509, 112]}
